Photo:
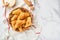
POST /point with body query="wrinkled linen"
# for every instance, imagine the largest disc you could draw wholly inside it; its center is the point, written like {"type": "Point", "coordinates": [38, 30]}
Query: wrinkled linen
{"type": "Point", "coordinates": [46, 19]}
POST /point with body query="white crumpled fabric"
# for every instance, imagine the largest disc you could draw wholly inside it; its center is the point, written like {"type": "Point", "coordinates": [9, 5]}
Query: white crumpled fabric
{"type": "Point", "coordinates": [28, 34]}
{"type": "Point", "coordinates": [46, 19]}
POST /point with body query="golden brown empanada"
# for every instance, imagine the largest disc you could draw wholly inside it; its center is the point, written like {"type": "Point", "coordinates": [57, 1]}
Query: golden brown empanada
{"type": "Point", "coordinates": [28, 22]}
{"type": "Point", "coordinates": [14, 17]}
{"type": "Point", "coordinates": [16, 11]}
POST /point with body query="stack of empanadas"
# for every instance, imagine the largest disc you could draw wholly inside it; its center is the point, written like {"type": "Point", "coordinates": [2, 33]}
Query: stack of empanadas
{"type": "Point", "coordinates": [20, 19]}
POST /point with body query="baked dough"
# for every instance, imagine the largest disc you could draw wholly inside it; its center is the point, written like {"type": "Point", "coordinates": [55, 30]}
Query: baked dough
{"type": "Point", "coordinates": [20, 19]}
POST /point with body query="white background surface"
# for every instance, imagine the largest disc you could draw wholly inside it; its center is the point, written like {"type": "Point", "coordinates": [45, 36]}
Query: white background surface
{"type": "Point", "coordinates": [47, 16]}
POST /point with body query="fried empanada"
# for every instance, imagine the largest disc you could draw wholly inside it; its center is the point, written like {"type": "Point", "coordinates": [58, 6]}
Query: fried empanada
{"type": "Point", "coordinates": [19, 23]}
{"type": "Point", "coordinates": [16, 11]}
{"type": "Point", "coordinates": [13, 23]}
{"type": "Point", "coordinates": [20, 29]}
{"type": "Point", "coordinates": [14, 17]}
{"type": "Point", "coordinates": [28, 22]}
{"type": "Point", "coordinates": [23, 15]}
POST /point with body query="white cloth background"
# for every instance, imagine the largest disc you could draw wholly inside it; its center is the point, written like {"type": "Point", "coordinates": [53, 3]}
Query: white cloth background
{"type": "Point", "coordinates": [48, 17]}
